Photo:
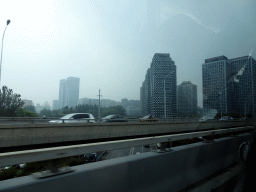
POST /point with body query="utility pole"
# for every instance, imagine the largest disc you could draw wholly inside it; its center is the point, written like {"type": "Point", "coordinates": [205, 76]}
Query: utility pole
{"type": "Point", "coordinates": [89, 105]}
{"type": "Point", "coordinates": [99, 105]}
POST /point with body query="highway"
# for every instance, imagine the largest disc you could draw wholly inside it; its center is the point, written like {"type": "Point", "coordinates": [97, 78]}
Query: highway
{"type": "Point", "coordinates": [15, 135]}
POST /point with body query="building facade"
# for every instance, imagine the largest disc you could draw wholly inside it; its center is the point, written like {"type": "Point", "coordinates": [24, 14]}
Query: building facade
{"type": "Point", "coordinates": [229, 85]}
{"type": "Point", "coordinates": [214, 72]}
{"type": "Point", "coordinates": [187, 99]}
{"type": "Point", "coordinates": [158, 91]}
{"type": "Point", "coordinates": [55, 104]}
{"type": "Point", "coordinates": [243, 85]}
{"type": "Point", "coordinates": [28, 102]}
{"type": "Point", "coordinates": [69, 92]}
{"type": "Point", "coordinates": [88, 101]}
{"type": "Point", "coordinates": [145, 94]}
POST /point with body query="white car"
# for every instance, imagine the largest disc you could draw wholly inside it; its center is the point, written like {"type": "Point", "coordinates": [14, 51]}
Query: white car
{"type": "Point", "coordinates": [205, 118]}
{"type": "Point", "coordinates": [75, 118]}
{"type": "Point", "coordinates": [226, 118]}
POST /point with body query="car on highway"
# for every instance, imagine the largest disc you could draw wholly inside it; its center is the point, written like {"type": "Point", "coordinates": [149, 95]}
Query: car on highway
{"type": "Point", "coordinates": [75, 118]}
{"type": "Point", "coordinates": [148, 118]}
{"type": "Point", "coordinates": [113, 118]}
{"type": "Point", "coordinates": [226, 118]}
{"type": "Point", "coordinates": [244, 118]}
{"type": "Point", "coordinates": [205, 118]}
{"type": "Point", "coordinates": [90, 157]}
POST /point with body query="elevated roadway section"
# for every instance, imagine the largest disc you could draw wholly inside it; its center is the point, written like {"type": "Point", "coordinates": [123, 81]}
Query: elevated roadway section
{"type": "Point", "coordinates": [13, 135]}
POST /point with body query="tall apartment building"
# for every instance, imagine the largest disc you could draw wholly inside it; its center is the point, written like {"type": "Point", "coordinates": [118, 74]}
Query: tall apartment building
{"type": "Point", "coordinates": [215, 84]}
{"type": "Point", "coordinates": [229, 84]}
{"type": "Point", "coordinates": [145, 94]}
{"type": "Point", "coordinates": [160, 80]}
{"type": "Point", "coordinates": [243, 85]}
{"type": "Point", "coordinates": [187, 98]}
{"type": "Point", "coordinates": [69, 92]}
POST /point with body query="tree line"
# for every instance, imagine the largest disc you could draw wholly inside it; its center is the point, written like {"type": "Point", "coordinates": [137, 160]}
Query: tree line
{"type": "Point", "coordinates": [84, 108]}
{"type": "Point", "coordinates": [11, 105]}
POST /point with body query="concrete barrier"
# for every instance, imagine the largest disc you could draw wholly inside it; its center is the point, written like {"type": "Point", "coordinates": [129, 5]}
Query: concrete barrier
{"type": "Point", "coordinates": [171, 171]}
{"type": "Point", "coordinates": [30, 134]}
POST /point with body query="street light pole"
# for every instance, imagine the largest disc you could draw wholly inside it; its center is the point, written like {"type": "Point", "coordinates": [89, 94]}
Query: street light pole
{"type": "Point", "coordinates": [165, 95]}
{"type": "Point", "coordinates": [7, 23]}
{"type": "Point", "coordinates": [220, 95]}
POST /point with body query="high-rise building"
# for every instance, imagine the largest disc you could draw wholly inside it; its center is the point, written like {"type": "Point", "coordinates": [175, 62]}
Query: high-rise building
{"type": "Point", "coordinates": [69, 92]}
{"type": "Point", "coordinates": [229, 85]}
{"type": "Point", "coordinates": [158, 91]}
{"type": "Point", "coordinates": [145, 94]}
{"type": "Point", "coordinates": [243, 85]}
{"type": "Point", "coordinates": [215, 84]}
{"type": "Point", "coordinates": [187, 98]}
{"type": "Point", "coordinates": [55, 104]}
{"type": "Point", "coordinates": [28, 102]}
{"type": "Point", "coordinates": [125, 103]}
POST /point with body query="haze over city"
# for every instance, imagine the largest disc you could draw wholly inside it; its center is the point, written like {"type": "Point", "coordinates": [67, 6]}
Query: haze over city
{"type": "Point", "coordinates": [109, 45]}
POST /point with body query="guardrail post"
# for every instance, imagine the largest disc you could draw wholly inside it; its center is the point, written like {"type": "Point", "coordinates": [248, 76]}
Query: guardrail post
{"type": "Point", "coordinates": [163, 147]}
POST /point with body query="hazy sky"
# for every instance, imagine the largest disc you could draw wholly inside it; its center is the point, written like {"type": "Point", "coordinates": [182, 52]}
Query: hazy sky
{"type": "Point", "coordinates": [109, 44]}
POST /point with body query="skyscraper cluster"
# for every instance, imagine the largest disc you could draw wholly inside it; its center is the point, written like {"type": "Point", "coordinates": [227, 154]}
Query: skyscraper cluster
{"type": "Point", "coordinates": [229, 85]}
{"type": "Point", "coordinates": [69, 92]}
{"type": "Point", "coordinates": [158, 91]}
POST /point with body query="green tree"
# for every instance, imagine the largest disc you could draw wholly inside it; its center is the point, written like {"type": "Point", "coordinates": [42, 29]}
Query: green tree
{"type": "Point", "coordinates": [113, 110]}
{"type": "Point", "coordinates": [25, 113]}
{"type": "Point", "coordinates": [9, 102]}
{"type": "Point", "coordinates": [65, 110]}
{"type": "Point", "coordinates": [56, 113]}
{"type": "Point", "coordinates": [46, 112]}
{"type": "Point", "coordinates": [30, 108]}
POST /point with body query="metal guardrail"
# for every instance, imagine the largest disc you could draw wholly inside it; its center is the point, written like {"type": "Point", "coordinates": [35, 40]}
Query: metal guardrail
{"type": "Point", "coordinates": [173, 171]}
{"type": "Point", "coordinates": [13, 158]}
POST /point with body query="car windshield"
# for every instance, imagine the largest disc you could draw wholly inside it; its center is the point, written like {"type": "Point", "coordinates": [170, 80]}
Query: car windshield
{"type": "Point", "coordinates": [67, 116]}
{"type": "Point", "coordinates": [109, 117]}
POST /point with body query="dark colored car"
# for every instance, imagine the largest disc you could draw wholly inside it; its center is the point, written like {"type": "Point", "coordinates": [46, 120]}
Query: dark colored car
{"type": "Point", "coordinates": [226, 118]}
{"type": "Point", "coordinates": [148, 118]}
{"type": "Point", "coordinates": [114, 118]}
{"type": "Point", "coordinates": [91, 157]}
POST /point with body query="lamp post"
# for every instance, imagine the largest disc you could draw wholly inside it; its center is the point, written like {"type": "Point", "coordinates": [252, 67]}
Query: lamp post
{"type": "Point", "coordinates": [7, 23]}
{"type": "Point", "coordinates": [220, 94]}
{"type": "Point", "coordinates": [165, 95]}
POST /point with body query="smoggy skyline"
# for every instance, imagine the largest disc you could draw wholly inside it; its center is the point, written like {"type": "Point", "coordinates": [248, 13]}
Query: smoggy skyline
{"type": "Point", "coordinates": [109, 45]}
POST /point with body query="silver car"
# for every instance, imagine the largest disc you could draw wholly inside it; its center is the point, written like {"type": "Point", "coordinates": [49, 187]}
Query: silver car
{"type": "Point", "coordinates": [114, 118]}
{"type": "Point", "coordinates": [75, 118]}
{"type": "Point", "coordinates": [205, 118]}
{"type": "Point", "coordinates": [226, 118]}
